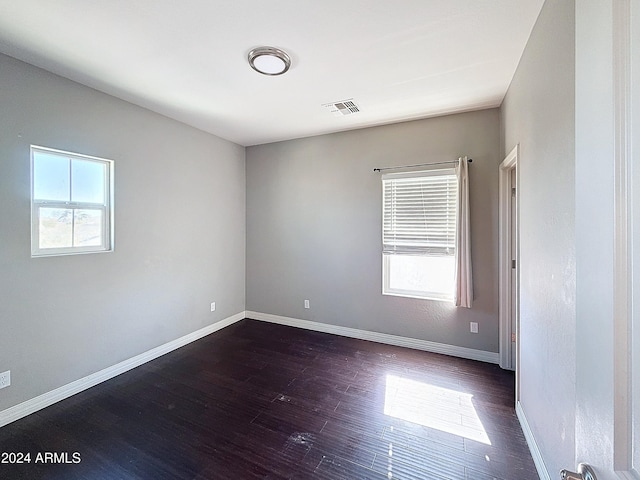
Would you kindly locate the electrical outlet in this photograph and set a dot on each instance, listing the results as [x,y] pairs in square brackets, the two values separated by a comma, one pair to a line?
[306,304]
[5,379]
[473,327]
[213,306]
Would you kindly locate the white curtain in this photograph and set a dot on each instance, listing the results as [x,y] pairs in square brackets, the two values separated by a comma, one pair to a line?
[464,282]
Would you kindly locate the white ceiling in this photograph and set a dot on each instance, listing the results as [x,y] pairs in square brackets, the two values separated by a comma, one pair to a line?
[186,59]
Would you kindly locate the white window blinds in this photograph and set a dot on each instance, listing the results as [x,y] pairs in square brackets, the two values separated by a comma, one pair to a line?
[419,213]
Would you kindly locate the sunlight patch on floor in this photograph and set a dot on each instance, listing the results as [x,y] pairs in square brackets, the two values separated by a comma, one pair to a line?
[435,407]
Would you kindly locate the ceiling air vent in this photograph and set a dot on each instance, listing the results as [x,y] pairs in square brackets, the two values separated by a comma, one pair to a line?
[342,108]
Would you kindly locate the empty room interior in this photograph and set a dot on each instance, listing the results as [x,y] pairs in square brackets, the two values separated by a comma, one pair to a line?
[344,240]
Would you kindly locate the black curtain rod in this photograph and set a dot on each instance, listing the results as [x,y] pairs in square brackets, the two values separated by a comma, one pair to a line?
[419,165]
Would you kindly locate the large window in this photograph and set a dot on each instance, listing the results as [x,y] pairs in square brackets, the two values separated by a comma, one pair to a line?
[419,234]
[71,203]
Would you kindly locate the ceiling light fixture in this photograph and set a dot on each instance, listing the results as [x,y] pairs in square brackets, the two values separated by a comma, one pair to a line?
[269,60]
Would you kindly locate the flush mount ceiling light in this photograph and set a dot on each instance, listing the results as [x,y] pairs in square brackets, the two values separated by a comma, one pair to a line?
[269,60]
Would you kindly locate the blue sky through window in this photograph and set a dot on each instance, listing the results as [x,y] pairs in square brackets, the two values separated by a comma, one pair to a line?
[50,177]
[54,181]
[88,181]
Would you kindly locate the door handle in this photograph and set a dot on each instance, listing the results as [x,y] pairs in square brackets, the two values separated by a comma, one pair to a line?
[585,472]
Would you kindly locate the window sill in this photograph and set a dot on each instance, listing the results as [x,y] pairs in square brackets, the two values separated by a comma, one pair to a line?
[419,297]
[68,252]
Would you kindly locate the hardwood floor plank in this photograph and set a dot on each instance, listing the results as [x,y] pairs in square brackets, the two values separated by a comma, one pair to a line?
[263,401]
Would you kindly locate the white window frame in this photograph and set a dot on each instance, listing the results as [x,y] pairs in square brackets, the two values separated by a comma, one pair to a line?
[107,240]
[386,256]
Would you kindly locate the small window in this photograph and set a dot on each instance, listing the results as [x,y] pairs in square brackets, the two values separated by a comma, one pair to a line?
[419,234]
[71,203]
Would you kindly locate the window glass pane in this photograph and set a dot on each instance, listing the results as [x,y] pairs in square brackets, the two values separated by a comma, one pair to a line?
[88,181]
[55,227]
[50,177]
[87,230]
[422,274]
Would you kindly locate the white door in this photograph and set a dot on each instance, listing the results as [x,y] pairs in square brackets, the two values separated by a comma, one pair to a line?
[608,237]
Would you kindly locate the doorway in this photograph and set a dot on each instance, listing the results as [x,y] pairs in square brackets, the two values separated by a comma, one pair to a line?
[509,316]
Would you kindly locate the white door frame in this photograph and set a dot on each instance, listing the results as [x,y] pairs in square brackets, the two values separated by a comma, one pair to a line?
[505,236]
[625,317]
[607,237]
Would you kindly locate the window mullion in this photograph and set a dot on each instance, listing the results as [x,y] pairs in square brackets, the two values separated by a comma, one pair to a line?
[70,180]
[73,227]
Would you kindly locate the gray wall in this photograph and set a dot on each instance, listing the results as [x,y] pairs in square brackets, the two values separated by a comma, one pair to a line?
[538,113]
[179,234]
[314,228]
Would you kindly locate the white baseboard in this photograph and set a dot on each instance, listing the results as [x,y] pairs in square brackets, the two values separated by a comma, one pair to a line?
[462,352]
[41,401]
[543,473]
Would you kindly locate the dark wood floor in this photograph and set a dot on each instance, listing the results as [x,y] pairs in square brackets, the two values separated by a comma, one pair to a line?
[263,401]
